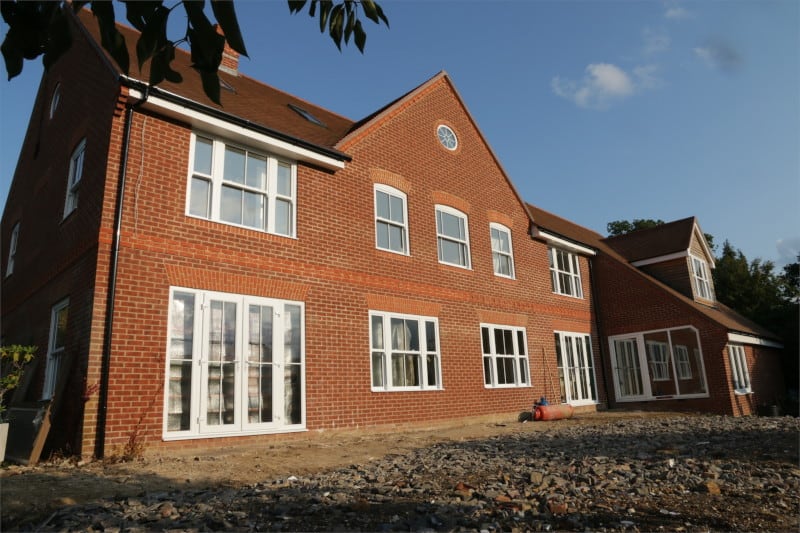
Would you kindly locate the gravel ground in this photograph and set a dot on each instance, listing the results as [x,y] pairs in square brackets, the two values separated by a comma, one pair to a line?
[681,473]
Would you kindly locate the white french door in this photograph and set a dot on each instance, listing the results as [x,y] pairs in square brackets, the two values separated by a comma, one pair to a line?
[576,368]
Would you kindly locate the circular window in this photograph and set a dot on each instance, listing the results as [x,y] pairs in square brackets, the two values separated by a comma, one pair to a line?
[447,137]
[55,101]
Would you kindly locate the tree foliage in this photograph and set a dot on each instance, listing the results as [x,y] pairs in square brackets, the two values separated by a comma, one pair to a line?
[40,28]
[621,227]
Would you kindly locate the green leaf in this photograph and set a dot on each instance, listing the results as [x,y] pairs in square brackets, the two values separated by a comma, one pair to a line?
[381,15]
[226,16]
[110,38]
[12,52]
[138,13]
[59,40]
[336,23]
[325,7]
[211,85]
[160,66]
[295,6]
[370,10]
[351,24]
[312,10]
[360,36]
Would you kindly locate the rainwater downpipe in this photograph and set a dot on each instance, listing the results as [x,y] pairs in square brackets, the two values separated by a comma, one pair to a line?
[600,336]
[105,367]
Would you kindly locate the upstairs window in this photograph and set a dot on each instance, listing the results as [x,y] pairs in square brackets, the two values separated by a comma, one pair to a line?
[502,256]
[741,376]
[12,250]
[75,175]
[241,187]
[452,234]
[391,214]
[702,279]
[565,273]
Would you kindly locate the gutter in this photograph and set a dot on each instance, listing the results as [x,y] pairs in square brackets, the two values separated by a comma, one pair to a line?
[105,365]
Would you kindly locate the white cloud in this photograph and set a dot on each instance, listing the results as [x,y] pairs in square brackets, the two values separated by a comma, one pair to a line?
[655,41]
[676,12]
[604,84]
[788,251]
[720,55]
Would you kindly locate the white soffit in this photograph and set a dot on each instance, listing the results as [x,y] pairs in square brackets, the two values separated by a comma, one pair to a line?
[758,341]
[235,132]
[660,258]
[563,243]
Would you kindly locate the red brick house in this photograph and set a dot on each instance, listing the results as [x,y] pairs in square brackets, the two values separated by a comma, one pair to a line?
[667,342]
[198,276]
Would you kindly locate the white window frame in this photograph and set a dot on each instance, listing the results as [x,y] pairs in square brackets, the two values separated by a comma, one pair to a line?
[658,359]
[702,278]
[518,357]
[76,168]
[577,378]
[390,222]
[462,242]
[683,366]
[199,344]
[55,100]
[639,350]
[566,282]
[498,253]
[739,372]
[12,249]
[215,181]
[383,352]
[56,347]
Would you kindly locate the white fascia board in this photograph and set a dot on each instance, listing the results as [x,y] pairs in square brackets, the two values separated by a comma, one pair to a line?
[235,132]
[758,341]
[563,243]
[661,258]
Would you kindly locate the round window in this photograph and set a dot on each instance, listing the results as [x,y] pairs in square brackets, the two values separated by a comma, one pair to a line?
[447,137]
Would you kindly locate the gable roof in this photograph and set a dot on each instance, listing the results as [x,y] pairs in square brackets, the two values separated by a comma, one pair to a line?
[657,241]
[243,97]
[678,234]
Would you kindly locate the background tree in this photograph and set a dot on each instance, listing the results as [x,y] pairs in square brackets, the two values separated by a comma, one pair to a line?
[40,28]
[621,227]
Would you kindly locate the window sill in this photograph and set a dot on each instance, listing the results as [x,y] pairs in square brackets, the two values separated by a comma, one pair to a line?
[740,392]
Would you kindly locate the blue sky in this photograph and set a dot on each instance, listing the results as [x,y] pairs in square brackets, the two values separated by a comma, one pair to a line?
[598,111]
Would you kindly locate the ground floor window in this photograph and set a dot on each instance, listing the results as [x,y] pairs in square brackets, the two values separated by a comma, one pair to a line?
[657,364]
[575,367]
[505,356]
[235,364]
[56,347]
[405,352]
[741,376]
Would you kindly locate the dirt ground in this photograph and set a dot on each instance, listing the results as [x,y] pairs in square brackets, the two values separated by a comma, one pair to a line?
[37,491]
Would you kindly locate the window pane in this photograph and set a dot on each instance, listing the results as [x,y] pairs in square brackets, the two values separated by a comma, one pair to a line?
[293,394]
[230,209]
[396,210]
[256,172]
[182,334]
[234,165]
[284,179]
[450,252]
[487,347]
[292,334]
[179,396]
[199,197]
[382,204]
[382,233]
[520,343]
[396,238]
[202,156]
[432,369]
[487,370]
[253,215]
[377,332]
[451,225]
[430,336]
[283,217]
[61,329]
[378,371]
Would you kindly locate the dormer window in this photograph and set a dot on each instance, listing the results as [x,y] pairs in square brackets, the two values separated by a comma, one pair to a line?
[702,279]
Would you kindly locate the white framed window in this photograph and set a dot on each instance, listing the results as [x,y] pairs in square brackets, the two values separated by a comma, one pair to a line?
[75,174]
[452,233]
[575,367]
[391,216]
[235,365]
[242,187]
[56,347]
[565,272]
[658,364]
[658,359]
[12,249]
[682,363]
[702,279]
[741,376]
[505,356]
[405,352]
[502,254]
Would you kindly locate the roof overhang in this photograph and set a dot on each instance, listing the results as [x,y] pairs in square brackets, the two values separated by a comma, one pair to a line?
[750,339]
[562,242]
[234,128]
[660,258]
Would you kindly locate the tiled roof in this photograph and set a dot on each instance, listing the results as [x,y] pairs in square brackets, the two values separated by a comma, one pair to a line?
[720,313]
[654,242]
[249,99]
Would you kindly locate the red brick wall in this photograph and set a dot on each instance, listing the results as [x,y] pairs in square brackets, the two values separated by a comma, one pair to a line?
[334,268]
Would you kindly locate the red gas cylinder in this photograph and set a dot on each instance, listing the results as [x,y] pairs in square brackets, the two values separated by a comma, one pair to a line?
[553,412]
